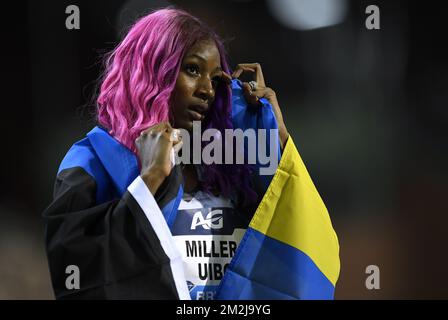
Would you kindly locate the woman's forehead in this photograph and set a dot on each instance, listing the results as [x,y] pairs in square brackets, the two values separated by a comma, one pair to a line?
[204,50]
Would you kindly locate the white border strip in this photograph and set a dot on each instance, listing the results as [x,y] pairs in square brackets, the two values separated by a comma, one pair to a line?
[148,204]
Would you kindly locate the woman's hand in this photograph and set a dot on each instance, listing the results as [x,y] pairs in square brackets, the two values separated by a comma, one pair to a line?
[261,91]
[154,150]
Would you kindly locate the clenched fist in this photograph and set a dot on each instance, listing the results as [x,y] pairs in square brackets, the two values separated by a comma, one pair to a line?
[154,150]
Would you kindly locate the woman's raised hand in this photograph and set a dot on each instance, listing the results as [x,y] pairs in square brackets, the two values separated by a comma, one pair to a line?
[154,150]
[254,93]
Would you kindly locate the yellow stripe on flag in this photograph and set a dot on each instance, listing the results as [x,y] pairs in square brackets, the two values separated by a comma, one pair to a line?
[293,212]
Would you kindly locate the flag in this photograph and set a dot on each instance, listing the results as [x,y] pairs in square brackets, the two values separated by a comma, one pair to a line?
[290,250]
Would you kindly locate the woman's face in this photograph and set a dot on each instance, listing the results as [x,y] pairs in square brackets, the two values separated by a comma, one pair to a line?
[198,78]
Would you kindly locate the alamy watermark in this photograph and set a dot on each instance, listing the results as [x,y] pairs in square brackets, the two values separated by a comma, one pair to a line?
[258,142]
[73,19]
[73,278]
[373,20]
[373,280]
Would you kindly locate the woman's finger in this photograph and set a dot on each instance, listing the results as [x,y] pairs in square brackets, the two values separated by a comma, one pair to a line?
[254,96]
[175,135]
[250,95]
[254,68]
[226,77]
[240,69]
[259,75]
[153,129]
[177,146]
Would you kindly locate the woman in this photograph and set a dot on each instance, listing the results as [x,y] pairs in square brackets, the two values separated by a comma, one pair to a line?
[134,225]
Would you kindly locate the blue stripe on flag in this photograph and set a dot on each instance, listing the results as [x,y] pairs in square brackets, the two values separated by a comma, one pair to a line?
[282,272]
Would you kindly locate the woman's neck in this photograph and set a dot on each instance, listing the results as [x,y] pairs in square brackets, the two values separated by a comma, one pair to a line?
[190,176]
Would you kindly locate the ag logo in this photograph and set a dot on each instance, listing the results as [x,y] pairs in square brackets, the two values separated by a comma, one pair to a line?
[213,220]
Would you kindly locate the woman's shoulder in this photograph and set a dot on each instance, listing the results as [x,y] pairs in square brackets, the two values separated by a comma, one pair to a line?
[82,154]
[104,158]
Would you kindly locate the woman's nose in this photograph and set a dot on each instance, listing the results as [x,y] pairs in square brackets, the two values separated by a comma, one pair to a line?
[205,90]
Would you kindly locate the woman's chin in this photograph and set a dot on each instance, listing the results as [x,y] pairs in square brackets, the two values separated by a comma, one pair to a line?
[187,125]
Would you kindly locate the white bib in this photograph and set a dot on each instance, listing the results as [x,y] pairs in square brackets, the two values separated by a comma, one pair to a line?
[207,231]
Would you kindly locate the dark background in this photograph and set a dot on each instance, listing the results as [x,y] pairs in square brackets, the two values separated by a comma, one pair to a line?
[366,108]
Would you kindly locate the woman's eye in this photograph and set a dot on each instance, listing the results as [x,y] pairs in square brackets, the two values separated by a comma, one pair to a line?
[192,69]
